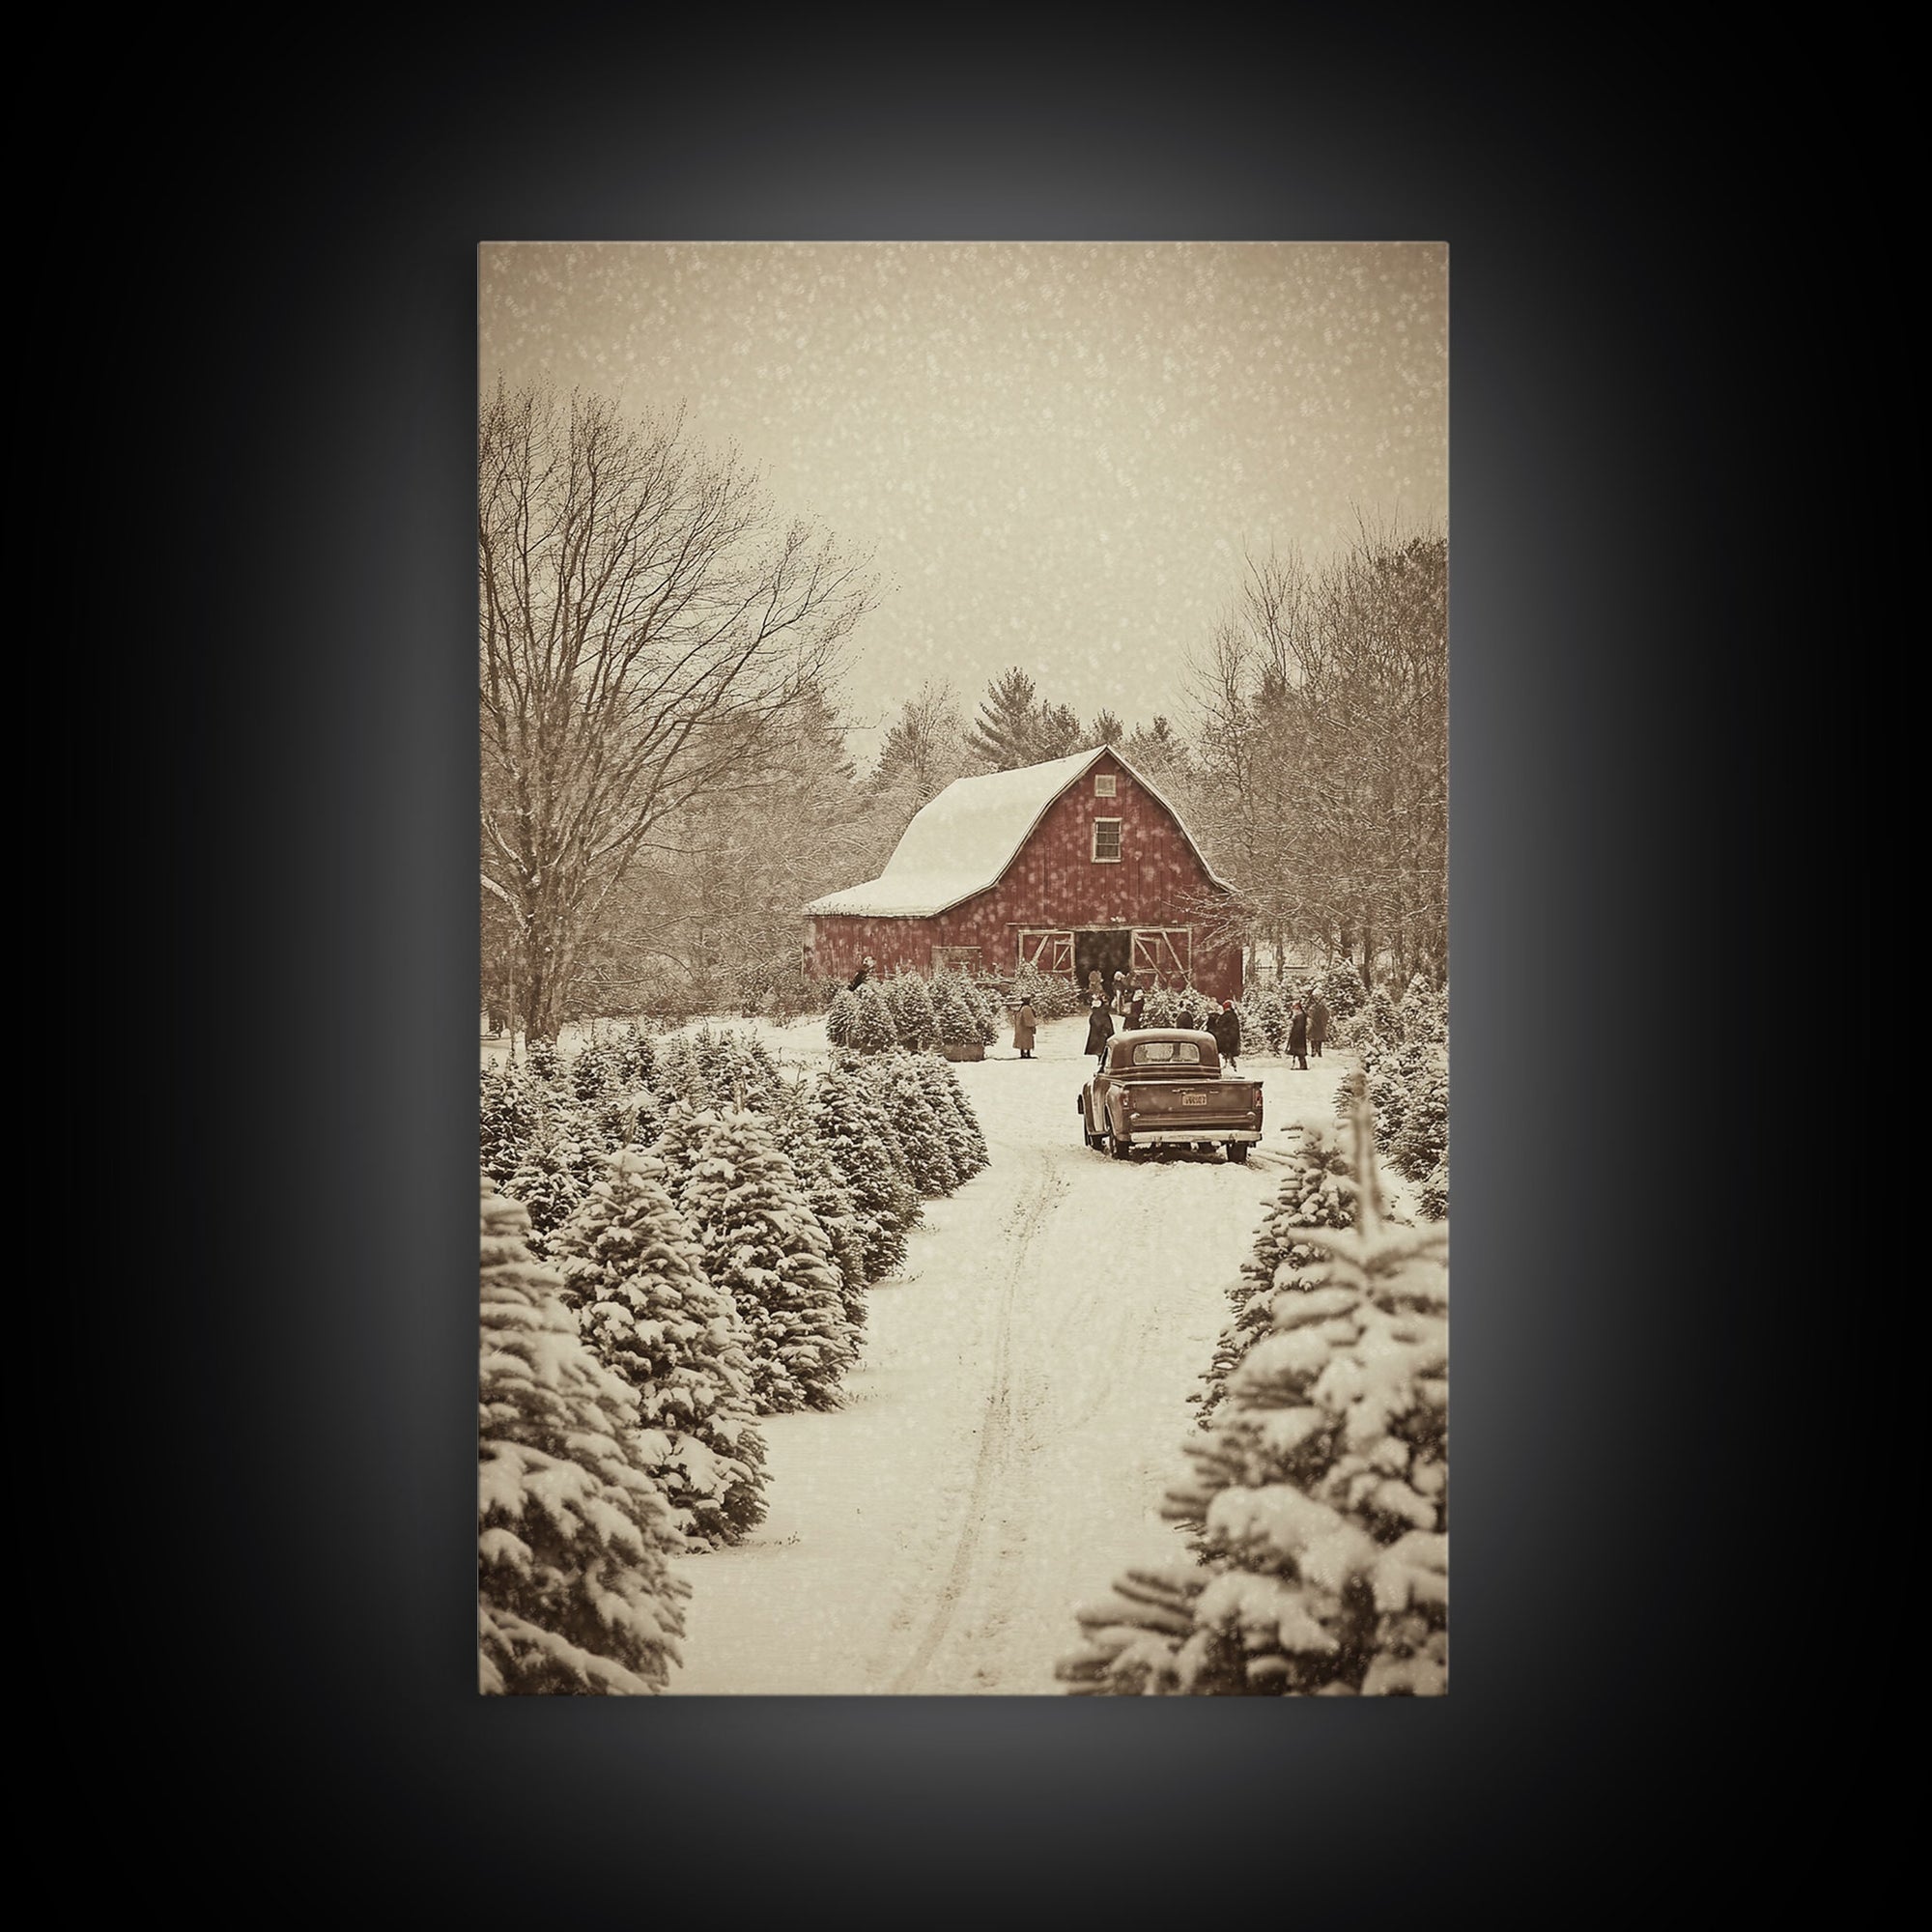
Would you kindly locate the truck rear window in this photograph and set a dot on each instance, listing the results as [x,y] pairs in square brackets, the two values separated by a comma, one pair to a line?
[1167,1053]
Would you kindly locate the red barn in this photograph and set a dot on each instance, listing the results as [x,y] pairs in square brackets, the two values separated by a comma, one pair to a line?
[1078,864]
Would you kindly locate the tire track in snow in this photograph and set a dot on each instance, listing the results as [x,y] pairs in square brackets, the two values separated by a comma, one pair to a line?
[995,1431]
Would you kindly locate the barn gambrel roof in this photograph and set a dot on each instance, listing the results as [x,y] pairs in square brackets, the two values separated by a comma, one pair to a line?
[963,840]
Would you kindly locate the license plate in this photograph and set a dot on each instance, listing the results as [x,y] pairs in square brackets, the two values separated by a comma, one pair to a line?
[1194,1100]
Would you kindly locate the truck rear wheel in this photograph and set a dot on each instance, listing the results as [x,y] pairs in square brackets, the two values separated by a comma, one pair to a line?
[1238,1151]
[1117,1148]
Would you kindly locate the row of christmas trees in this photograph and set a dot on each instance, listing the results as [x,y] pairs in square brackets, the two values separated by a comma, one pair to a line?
[906,1010]
[1403,1051]
[1316,1504]
[676,1240]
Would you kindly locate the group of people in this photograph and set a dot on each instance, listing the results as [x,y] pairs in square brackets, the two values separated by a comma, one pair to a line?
[1308,1027]
[1308,1022]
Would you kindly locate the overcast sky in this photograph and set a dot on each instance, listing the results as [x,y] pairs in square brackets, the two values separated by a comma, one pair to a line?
[1054,451]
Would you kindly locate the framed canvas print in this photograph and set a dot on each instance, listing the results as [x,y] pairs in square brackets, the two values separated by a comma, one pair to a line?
[963,993]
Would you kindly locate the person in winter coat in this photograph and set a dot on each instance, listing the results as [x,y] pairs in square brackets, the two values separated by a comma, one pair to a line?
[1297,1034]
[1099,1029]
[1136,1012]
[859,978]
[1120,992]
[1024,1022]
[1226,1027]
[1318,1017]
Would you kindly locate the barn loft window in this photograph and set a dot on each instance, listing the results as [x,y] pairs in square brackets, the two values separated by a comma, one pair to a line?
[1103,785]
[1107,841]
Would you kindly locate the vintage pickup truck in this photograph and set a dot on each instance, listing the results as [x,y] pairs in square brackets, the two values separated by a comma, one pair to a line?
[1163,1086]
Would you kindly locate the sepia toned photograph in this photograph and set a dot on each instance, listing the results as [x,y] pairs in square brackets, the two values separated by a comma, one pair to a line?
[964,968]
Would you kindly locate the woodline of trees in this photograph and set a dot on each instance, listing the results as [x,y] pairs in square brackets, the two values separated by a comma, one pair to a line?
[1321,778]
[664,773]
[650,633]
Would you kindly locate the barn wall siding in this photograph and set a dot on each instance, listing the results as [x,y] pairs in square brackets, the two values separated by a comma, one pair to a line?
[1055,883]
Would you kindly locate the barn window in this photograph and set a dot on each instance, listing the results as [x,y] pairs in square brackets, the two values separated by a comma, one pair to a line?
[1103,785]
[1107,841]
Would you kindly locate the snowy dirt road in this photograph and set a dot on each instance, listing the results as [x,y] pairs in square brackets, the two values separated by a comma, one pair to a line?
[1015,1415]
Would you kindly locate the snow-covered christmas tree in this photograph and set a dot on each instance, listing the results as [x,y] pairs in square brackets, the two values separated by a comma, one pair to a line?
[633,1273]
[1424,1012]
[988,1013]
[560,1160]
[1265,1021]
[1433,1196]
[593,1071]
[915,1024]
[577,1593]
[1317,1191]
[1342,989]
[763,1244]
[1162,1008]
[894,1077]
[874,1027]
[956,1019]
[1323,1496]
[511,1110]
[853,1129]
[966,1143]
[796,1127]
[631,1054]
[1423,1138]
[842,1016]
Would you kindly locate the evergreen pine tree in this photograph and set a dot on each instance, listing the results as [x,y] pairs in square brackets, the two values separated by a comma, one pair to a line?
[954,1015]
[511,1111]
[559,1163]
[1432,1197]
[577,1593]
[544,1063]
[895,1079]
[592,1072]
[875,1030]
[632,1272]
[883,1203]
[1400,1072]
[869,1100]
[914,1023]
[1161,1008]
[1005,732]
[1423,1138]
[677,1074]
[762,1243]
[630,1056]
[796,1127]
[1269,1018]
[1343,990]
[1424,1012]
[1317,1191]
[1321,1495]
[988,1013]
[1375,1030]
[842,1016]
[626,1117]
[954,1111]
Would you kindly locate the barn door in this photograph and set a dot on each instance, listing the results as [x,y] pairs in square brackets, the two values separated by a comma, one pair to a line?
[1163,952]
[1050,951]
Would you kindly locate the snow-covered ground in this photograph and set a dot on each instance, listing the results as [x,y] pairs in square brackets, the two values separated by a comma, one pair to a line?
[1017,1412]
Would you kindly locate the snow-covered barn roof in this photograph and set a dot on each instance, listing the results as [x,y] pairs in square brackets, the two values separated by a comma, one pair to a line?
[961,841]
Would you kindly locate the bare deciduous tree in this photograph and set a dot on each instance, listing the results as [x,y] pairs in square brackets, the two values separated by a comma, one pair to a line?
[1321,710]
[647,624]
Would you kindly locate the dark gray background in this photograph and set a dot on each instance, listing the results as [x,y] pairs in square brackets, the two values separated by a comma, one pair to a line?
[294,1674]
